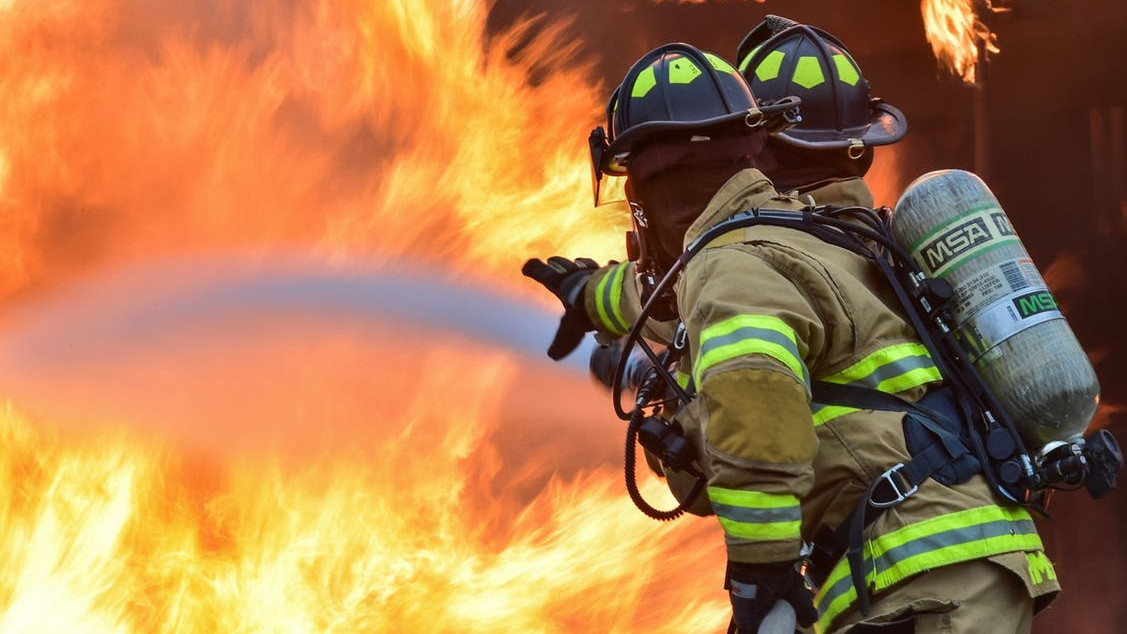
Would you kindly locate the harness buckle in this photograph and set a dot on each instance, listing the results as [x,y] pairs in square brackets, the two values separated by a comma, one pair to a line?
[898,489]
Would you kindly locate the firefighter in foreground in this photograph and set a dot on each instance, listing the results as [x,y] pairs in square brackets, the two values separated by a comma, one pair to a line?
[823,157]
[767,310]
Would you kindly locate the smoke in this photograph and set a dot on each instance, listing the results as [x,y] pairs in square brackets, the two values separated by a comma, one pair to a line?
[297,353]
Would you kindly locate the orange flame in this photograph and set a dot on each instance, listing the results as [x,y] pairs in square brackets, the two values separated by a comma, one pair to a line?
[956,34]
[307,476]
[324,477]
[127,130]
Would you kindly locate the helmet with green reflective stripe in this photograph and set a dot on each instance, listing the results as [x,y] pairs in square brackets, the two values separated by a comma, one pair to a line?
[678,90]
[781,58]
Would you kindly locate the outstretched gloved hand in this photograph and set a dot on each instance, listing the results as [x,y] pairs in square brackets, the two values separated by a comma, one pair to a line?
[754,589]
[566,280]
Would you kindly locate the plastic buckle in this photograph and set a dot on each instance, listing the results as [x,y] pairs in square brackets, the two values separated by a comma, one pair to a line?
[897,489]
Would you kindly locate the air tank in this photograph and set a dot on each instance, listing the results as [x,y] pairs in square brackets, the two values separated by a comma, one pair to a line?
[1004,314]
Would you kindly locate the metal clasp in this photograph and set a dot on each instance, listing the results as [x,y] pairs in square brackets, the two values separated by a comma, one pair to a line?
[680,337]
[897,489]
[754,117]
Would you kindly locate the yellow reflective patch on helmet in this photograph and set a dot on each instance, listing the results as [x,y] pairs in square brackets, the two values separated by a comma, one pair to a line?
[682,71]
[645,82]
[768,69]
[719,63]
[747,58]
[846,71]
[808,72]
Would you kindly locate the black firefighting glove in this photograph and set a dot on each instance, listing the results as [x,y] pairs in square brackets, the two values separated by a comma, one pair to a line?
[566,279]
[754,589]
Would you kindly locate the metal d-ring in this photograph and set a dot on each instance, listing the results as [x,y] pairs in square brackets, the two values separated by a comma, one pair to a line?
[754,117]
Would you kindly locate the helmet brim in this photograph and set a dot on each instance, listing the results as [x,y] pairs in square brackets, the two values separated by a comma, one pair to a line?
[886,126]
[773,116]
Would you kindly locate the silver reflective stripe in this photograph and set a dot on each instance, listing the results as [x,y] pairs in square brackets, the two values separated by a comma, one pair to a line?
[760,515]
[752,332]
[939,541]
[953,537]
[894,369]
[891,370]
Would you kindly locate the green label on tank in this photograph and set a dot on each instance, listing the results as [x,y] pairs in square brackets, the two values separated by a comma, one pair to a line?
[956,241]
[992,324]
[1032,304]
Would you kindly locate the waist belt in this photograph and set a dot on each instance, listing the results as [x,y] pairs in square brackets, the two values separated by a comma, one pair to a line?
[945,456]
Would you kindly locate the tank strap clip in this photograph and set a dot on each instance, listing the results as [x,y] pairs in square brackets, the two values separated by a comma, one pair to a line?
[897,487]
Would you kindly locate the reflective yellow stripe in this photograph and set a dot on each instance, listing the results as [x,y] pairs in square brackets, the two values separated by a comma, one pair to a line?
[751,499]
[822,414]
[941,541]
[683,379]
[755,515]
[876,362]
[608,300]
[891,369]
[749,334]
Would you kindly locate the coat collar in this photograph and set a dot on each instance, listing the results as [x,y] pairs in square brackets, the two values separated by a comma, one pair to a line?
[746,189]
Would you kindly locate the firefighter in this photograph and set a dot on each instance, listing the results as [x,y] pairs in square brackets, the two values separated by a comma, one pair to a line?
[767,310]
[824,156]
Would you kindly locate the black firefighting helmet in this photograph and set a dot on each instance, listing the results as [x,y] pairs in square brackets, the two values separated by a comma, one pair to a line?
[781,58]
[674,91]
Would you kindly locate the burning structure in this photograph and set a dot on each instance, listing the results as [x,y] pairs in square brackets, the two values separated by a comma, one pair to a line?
[200,442]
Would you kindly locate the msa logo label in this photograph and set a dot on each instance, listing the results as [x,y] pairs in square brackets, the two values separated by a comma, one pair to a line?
[956,241]
[1035,303]
[953,243]
[1001,224]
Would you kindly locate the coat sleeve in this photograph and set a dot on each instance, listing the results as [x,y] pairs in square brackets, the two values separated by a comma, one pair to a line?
[614,302]
[752,333]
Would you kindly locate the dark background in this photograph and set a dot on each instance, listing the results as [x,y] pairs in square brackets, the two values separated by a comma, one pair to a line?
[1046,127]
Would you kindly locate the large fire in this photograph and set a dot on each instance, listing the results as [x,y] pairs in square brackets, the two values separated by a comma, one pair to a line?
[169,469]
[131,129]
[323,480]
